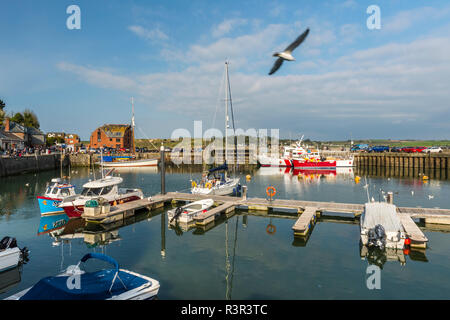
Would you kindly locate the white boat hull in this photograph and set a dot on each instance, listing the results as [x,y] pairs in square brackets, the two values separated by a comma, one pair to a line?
[189,216]
[266,161]
[9,258]
[384,214]
[344,163]
[144,292]
[132,163]
[221,190]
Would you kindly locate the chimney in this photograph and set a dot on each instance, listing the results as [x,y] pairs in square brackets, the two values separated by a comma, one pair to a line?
[7,125]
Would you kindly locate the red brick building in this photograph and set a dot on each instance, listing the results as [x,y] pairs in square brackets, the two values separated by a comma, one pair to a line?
[73,141]
[112,136]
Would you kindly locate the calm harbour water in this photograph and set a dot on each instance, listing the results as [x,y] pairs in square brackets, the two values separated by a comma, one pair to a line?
[236,258]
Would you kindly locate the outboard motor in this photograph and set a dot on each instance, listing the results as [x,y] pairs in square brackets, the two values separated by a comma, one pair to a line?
[377,237]
[178,211]
[9,243]
[24,252]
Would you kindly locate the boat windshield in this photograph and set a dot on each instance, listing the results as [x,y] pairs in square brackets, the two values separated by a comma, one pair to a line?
[65,192]
[49,190]
[106,190]
[91,191]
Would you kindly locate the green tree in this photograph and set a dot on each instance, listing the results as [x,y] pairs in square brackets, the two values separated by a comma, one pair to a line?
[2,112]
[30,119]
[17,118]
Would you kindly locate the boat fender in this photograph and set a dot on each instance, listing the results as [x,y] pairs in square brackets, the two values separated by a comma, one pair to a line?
[194,184]
[208,185]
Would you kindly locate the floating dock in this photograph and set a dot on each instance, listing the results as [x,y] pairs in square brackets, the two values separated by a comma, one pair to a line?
[307,211]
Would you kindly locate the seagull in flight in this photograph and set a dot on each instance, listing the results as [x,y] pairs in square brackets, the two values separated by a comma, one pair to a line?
[287,53]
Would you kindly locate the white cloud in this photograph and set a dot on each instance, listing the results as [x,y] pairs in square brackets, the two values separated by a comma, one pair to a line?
[408,18]
[349,4]
[153,34]
[226,26]
[395,82]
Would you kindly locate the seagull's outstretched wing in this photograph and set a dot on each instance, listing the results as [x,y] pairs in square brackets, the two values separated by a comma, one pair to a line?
[276,66]
[297,41]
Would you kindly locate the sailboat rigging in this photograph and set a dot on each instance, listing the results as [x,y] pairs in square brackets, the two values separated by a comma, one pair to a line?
[120,161]
[216,181]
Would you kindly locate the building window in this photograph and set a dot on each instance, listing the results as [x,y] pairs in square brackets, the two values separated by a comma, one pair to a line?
[99,136]
[110,139]
[117,139]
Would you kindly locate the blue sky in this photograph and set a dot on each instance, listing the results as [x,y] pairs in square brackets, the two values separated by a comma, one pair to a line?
[347,81]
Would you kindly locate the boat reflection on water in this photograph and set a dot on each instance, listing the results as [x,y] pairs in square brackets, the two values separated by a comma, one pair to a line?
[52,223]
[307,176]
[10,278]
[64,230]
[136,170]
[378,257]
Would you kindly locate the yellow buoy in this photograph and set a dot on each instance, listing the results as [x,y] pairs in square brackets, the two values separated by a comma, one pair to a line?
[357,178]
[425,177]
[248,177]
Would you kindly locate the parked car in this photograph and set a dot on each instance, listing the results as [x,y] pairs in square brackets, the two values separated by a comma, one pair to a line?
[360,147]
[413,149]
[379,149]
[432,150]
[396,149]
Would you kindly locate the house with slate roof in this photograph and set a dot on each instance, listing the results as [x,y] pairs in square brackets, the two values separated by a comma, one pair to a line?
[112,136]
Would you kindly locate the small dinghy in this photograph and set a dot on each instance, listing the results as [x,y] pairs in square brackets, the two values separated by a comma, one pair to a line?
[186,214]
[381,227]
[10,254]
[76,284]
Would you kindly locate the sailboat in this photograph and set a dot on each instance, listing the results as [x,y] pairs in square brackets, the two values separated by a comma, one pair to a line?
[121,161]
[216,181]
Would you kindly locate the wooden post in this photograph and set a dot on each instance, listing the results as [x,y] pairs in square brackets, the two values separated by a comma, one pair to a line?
[163,171]
[390,197]
[244,192]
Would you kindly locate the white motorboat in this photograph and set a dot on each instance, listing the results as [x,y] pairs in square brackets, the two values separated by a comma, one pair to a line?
[54,194]
[10,254]
[76,284]
[381,227]
[107,188]
[186,213]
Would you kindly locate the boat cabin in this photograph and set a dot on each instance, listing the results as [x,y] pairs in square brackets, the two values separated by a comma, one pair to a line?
[101,187]
[59,190]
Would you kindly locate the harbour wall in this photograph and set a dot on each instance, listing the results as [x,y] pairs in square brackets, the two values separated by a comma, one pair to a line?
[12,166]
[438,161]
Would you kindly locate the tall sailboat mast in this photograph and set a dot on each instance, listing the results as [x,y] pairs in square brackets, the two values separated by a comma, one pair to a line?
[132,126]
[226,111]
